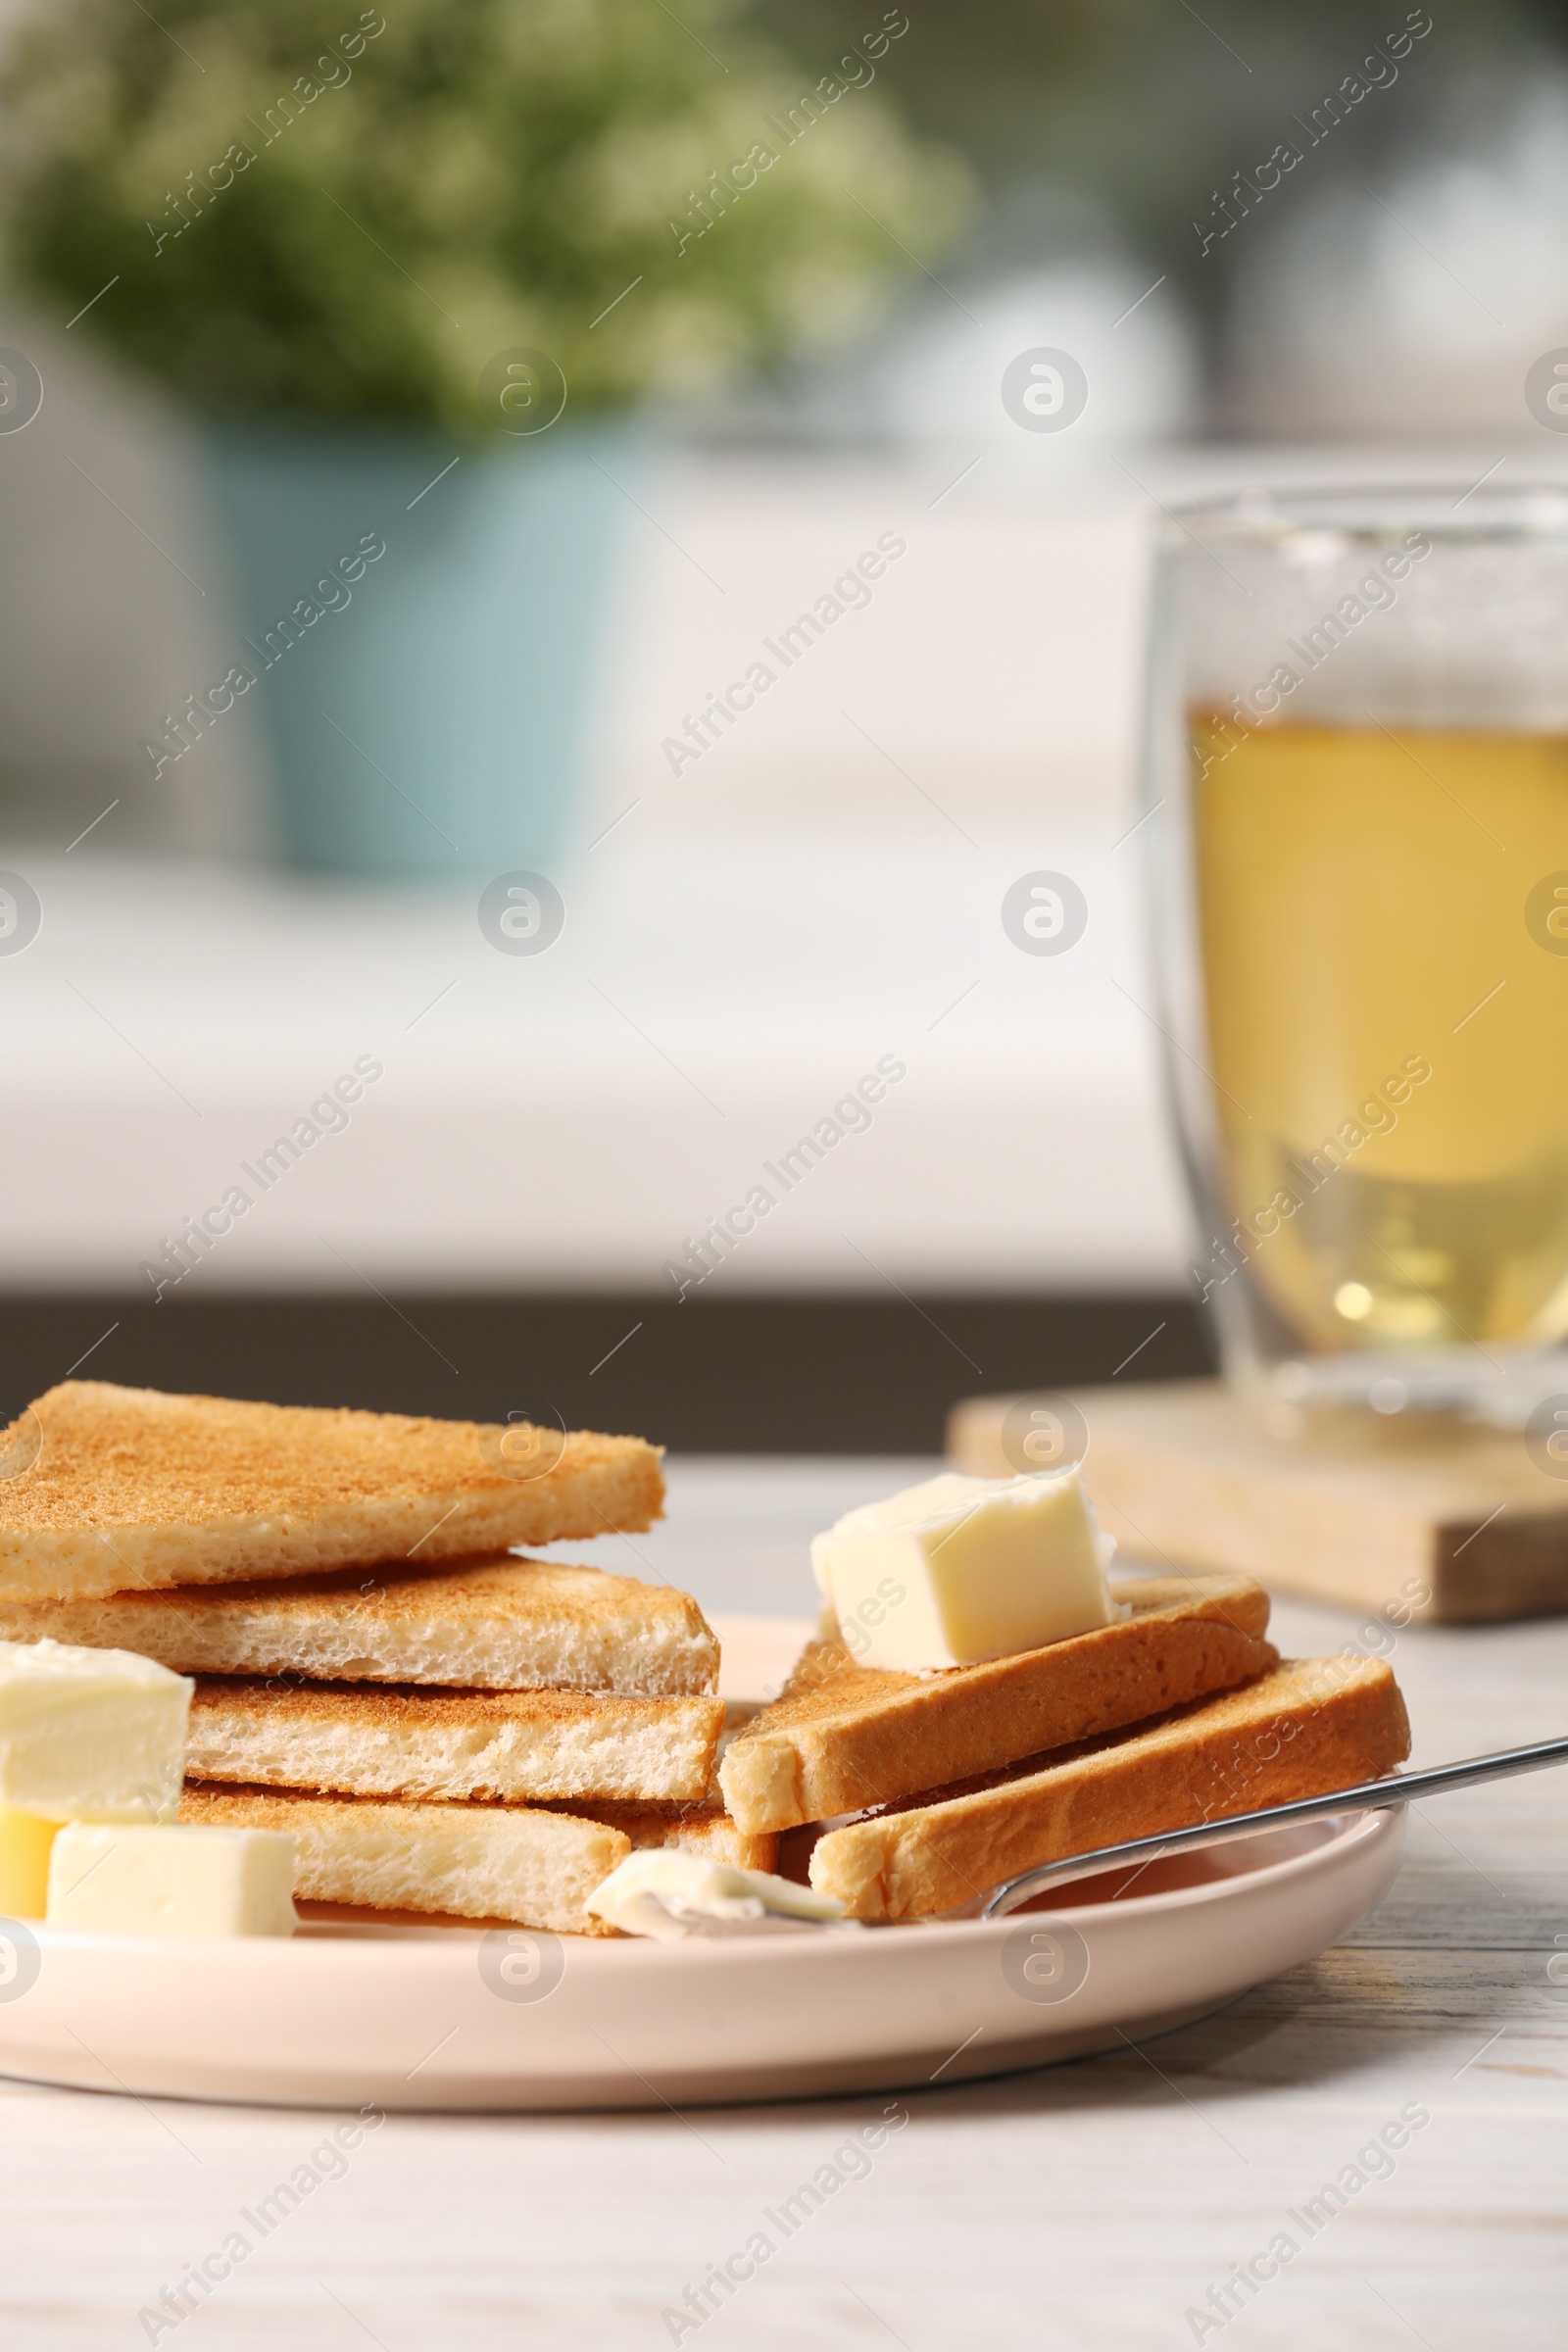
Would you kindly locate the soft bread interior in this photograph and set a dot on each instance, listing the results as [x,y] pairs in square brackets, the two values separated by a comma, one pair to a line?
[495,1624]
[468,1861]
[513,1745]
[705,1829]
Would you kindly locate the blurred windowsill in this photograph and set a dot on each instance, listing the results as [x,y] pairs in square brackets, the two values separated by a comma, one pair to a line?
[565,1121]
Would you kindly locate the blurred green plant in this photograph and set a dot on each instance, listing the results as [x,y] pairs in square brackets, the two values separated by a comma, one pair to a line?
[312,209]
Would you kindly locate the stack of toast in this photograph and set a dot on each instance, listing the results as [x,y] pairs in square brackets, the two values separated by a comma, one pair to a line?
[449,1729]
[445,1728]
[907,1795]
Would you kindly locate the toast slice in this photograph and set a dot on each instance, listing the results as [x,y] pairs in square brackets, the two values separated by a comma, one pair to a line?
[516,1746]
[1305,1728]
[844,1736]
[705,1829]
[468,1861]
[499,1624]
[129,1489]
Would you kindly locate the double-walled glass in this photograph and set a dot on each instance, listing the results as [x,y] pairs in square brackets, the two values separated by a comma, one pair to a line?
[1357,772]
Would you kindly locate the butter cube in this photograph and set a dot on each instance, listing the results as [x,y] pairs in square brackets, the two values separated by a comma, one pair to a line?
[24,1842]
[962,1569]
[182,1880]
[90,1735]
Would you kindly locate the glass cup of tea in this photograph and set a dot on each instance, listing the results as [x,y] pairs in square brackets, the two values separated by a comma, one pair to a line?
[1356,786]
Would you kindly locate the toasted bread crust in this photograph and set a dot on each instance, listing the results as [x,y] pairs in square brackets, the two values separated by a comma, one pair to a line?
[369,1739]
[1305,1728]
[495,1624]
[133,1490]
[844,1736]
[462,1861]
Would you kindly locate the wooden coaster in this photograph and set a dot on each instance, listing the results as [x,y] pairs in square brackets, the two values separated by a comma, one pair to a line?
[1424,1518]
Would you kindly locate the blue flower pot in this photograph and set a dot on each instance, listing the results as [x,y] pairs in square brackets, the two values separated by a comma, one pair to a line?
[421,636]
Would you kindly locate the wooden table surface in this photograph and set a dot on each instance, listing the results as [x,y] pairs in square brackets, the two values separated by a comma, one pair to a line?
[1084,2207]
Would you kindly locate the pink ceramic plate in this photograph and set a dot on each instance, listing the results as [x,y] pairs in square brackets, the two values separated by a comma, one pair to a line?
[353,2011]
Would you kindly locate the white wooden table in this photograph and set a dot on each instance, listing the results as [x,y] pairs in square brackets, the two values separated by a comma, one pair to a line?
[1081,2207]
